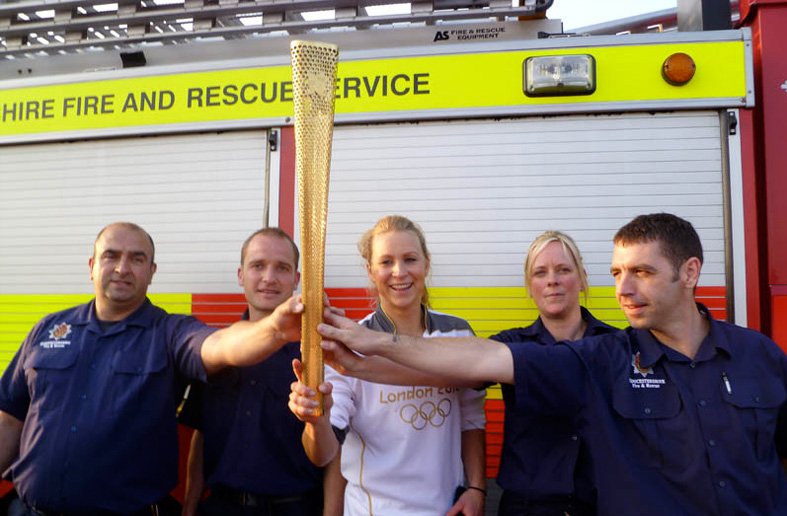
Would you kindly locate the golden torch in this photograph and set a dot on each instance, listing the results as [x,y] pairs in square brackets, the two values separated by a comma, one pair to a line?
[313,80]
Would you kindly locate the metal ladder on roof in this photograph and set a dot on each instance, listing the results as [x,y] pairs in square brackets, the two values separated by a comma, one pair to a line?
[50,27]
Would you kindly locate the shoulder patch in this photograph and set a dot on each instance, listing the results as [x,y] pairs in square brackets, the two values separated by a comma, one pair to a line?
[58,334]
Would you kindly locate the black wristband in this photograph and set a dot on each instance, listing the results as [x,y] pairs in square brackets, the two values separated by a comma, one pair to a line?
[477,489]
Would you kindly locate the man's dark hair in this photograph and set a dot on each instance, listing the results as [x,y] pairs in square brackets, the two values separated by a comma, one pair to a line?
[274,232]
[134,227]
[679,241]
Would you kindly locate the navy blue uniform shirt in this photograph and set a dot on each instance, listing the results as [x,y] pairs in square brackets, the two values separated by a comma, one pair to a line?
[252,442]
[540,451]
[99,408]
[667,434]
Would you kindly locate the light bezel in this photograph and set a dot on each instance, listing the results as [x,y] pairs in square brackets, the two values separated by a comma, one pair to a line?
[559,89]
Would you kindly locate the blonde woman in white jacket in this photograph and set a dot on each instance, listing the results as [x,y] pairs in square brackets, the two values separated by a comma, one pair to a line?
[412,445]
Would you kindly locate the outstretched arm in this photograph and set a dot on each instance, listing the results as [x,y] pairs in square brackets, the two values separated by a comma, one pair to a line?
[247,343]
[319,441]
[383,370]
[459,359]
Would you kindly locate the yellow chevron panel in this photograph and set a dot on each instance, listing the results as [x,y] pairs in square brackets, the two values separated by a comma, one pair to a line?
[475,303]
[10,337]
[29,309]
[488,315]
[173,303]
[20,326]
[11,319]
[504,292]
[20,312]
[40,304]
[490,310]
[37,299]
[498,292]
[494,392]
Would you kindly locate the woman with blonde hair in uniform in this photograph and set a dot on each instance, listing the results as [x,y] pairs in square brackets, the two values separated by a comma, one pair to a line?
[409,441]
[544,469]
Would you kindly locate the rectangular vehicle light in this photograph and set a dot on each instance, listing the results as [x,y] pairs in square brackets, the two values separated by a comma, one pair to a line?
[560,75]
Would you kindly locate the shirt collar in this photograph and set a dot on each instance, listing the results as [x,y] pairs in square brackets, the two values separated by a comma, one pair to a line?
[386,324]
[389,326]
[538,331]
[595,327]
[715,340]
[142,316]
[84,314]
[651,349]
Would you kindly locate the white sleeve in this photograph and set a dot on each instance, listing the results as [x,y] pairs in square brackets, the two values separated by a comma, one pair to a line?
[471,401]
[343,398]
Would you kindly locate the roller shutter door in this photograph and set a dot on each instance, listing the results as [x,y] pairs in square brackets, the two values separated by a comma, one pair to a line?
[482,190]
[198,195]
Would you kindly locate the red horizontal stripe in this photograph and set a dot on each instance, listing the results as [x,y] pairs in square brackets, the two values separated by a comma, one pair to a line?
[234,308]
[347,292]
[352,303]
[217,298]
[711,291]
[218,319]
[713,302]
[495,412]
[494,415]
[494,437]
[492,460]
[494,426]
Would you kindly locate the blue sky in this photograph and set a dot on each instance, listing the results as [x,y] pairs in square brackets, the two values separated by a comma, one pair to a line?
[580,13]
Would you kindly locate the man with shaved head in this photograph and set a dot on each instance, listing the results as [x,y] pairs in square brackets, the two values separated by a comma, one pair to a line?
[87,405]
[241,422]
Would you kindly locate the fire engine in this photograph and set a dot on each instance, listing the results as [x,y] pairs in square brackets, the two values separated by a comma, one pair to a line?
[486,132]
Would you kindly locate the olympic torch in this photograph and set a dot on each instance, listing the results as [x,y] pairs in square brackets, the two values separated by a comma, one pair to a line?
[313,80]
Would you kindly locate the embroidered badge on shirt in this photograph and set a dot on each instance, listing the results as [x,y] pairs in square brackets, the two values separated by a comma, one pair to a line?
[57,333]
[636,362]
[60,331]
[644,382]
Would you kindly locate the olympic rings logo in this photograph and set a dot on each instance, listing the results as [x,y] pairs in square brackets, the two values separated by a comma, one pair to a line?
[427,413]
